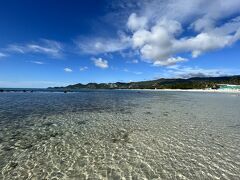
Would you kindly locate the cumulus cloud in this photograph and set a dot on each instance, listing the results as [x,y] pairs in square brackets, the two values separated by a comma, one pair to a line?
[101,63]
[161,43]
[135,22]
[157,44]
[161,31]
[68,70]
[49,47]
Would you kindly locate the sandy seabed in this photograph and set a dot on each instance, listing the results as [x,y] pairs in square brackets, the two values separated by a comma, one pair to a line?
[120,135]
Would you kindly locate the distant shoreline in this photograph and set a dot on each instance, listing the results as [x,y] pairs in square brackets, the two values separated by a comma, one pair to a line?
[189,90]
[22,90]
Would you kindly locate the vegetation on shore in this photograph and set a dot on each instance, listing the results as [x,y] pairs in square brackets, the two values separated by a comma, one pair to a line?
[191,83]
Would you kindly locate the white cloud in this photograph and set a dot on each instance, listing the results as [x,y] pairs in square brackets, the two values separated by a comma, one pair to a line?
[83,68]
[161,31]
[134,61]
[37,62]
[2,55]
[101,63]
[189,11]
[102,45]
[68,70]
[214,11]
[49,47]
[164,40]
[17,48]
[188,72]
[170,61]
[135,22]
[156,44]
[203,42]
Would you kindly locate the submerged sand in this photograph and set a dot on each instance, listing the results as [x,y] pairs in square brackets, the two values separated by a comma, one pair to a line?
[120,135]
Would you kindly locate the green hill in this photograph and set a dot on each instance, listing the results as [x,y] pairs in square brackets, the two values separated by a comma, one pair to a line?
[191,83]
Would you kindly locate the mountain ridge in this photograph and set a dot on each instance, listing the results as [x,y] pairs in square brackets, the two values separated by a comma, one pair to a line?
[163,83]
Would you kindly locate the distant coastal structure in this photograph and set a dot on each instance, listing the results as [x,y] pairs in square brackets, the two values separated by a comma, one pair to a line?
[229,87]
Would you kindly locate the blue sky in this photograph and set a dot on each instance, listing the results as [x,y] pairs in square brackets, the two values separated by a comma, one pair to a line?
[55,43]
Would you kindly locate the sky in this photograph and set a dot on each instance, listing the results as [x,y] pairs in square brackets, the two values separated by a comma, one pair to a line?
[62,42]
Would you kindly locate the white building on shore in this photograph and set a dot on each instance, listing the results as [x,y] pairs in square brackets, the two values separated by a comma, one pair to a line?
[229,87]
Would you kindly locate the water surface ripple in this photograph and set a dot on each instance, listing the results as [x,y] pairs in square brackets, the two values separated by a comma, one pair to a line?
[119,135]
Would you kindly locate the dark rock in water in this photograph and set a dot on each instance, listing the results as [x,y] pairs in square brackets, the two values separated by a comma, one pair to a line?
[147,112]
[16,135]
[65,91]
[1,140]
[13,164]
[57,175]
[220,145]
[235,126]
[26,146]
[74,110]
[114,140]
[165,113]
[154,140]
[121,110]
[87,143]
[124,111]
[81,122]
[128,112]
[48,124]
[41,137]
[125,136]
[62,161]
[121,136]
[1,90]
[7,148]
[54,134]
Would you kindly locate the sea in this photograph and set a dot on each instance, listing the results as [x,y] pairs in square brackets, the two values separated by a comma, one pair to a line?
[119,134]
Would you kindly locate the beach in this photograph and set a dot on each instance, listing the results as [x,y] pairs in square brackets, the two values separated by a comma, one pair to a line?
[192,90]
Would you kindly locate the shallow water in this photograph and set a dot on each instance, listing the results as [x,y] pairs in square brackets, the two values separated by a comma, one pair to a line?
[119,135]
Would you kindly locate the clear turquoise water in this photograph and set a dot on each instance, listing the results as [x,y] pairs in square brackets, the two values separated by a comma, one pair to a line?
[119,135]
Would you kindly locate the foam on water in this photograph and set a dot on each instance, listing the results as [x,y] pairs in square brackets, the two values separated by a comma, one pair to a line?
[119,135]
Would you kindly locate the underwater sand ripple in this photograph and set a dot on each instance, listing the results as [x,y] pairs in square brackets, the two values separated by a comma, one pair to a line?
[156,135]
